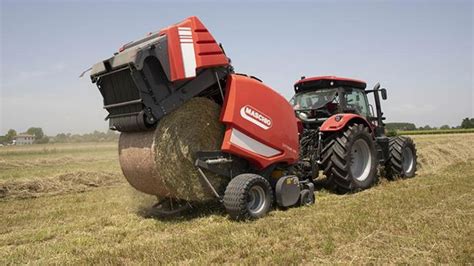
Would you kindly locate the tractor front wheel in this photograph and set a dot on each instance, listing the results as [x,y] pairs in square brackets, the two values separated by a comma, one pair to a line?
[350,160]
[248,196]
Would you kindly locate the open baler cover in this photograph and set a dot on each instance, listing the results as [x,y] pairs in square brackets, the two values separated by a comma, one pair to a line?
[153,76]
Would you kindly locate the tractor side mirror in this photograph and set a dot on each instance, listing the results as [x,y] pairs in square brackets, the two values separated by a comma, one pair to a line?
[384,94]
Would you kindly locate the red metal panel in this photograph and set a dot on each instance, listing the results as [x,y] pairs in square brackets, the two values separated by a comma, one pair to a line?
[339,121]
[207,52]
[174,53]
[262,115]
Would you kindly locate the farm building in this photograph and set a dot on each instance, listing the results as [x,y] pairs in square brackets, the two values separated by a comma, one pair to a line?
[24,139]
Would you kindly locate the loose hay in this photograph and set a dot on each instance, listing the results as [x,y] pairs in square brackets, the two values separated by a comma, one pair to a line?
[161,162]
[436,152]
[61,184]
[21,163]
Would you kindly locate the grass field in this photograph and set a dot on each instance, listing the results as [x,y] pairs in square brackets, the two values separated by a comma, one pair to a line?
[436,131]
[70,204]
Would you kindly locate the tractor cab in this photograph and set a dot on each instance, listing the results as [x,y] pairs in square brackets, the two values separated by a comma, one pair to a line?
[318,98]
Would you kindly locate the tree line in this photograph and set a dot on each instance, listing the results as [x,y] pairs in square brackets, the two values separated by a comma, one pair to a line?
[402,126]
[98,136]
[41,138]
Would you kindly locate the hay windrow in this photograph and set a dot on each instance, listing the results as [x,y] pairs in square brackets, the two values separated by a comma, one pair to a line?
[161,162]
[13,164]
[436,152]
[61,184]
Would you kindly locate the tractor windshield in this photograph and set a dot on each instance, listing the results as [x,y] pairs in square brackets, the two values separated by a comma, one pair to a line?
[314,99]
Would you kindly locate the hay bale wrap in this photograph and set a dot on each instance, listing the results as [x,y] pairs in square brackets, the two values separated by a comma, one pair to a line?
[161,162]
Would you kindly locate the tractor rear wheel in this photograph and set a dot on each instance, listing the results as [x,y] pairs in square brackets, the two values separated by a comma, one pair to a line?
[402,158]
[248,196]
[349,159]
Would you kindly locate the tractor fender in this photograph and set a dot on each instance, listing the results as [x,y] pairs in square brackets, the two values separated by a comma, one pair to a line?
[339,121]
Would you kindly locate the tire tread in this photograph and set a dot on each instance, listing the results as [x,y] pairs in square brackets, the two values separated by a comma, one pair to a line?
[336,156]
[394,167]
[235,196]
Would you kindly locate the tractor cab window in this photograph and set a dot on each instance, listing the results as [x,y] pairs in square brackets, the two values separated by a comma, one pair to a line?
[355,101]
[315,99]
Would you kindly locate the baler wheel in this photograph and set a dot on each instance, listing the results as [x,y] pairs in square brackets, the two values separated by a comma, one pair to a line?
[402,158]
[306,198]
[350,160]
[248,196]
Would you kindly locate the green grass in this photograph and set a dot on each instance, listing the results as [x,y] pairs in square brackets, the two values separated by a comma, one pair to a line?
[37,161]
[426,219]
[435,131]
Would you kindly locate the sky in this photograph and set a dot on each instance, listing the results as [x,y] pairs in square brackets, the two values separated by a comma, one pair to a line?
[421,51]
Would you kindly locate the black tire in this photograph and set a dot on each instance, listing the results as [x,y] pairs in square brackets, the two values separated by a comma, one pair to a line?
[346,172]
[306,198]
[402,158]
[248,196]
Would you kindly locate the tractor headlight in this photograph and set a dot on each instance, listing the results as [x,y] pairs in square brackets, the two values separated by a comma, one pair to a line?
[303,116]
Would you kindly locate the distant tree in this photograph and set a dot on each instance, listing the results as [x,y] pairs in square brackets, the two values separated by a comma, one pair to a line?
[391,133]
[400,126]
[36,131]
[444,127]
[40,137]
[112,135]
[61,137]
[43,140]
[467,123]
[95,136]
[10,135]
[427,127]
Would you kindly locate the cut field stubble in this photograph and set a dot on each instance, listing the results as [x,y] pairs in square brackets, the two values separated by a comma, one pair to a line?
[426,219]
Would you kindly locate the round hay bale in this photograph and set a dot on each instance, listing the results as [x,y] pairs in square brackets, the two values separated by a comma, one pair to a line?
[161,162]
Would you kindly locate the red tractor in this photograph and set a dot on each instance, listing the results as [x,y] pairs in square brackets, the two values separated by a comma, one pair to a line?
[268,154]
[341,135]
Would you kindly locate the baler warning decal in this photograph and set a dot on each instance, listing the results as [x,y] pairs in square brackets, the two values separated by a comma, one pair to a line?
[187,51]
[256,117]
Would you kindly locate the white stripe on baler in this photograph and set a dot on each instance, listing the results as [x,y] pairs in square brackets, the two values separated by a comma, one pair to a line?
[184,33]
[242,140]
[187,51]
[189,59]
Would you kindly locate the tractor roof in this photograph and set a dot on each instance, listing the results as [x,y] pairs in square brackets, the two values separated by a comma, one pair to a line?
[322,82]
